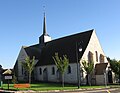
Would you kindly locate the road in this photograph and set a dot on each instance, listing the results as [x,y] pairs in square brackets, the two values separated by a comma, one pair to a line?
[113,90]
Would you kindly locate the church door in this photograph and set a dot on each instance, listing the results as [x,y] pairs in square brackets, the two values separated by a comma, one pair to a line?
[45,74]
[59,76]
[110,77]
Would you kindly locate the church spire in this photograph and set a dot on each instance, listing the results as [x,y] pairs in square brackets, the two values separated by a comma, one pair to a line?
[44,26]
[44,37]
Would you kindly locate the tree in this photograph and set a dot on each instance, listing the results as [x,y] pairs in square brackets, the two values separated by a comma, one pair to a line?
[88,67]
[115,67]
[62,64]
[29,66]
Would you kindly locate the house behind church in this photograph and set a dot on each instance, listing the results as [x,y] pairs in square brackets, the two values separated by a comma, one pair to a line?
[45,68]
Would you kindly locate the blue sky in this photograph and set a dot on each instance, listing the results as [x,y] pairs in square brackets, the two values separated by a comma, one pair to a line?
[21,23]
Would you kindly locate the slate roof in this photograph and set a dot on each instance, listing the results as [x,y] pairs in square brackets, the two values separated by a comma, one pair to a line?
[33,50]
[64,46]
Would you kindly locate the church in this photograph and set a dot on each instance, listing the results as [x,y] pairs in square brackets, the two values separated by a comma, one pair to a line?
[45,69]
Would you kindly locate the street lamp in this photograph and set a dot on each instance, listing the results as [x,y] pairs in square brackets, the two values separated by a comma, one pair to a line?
[78,50]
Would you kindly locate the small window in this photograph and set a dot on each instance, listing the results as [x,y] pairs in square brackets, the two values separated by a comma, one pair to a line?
[96,55]
[53,70]
[40,71]
[69,69]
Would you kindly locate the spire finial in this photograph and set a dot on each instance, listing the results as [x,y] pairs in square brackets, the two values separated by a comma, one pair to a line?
[44,9]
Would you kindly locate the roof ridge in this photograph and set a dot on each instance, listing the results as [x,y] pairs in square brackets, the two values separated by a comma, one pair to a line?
[71,35]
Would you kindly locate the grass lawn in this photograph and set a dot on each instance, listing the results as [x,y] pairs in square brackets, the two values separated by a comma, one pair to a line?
[41,87]
[49,86]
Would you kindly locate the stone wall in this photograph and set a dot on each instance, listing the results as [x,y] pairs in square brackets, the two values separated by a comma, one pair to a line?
[21,57]
[93,46]
[68,77]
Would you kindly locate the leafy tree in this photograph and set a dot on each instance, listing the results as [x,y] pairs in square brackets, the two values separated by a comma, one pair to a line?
[88,67]
[115,66]
[29,66]
[62,64]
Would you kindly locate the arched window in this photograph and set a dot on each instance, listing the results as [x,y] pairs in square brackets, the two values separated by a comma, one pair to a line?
[90,56]
[53,70]
[69,69]
[40,71]
[96,53]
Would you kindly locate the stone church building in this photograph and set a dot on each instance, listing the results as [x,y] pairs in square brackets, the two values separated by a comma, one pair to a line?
[45,68]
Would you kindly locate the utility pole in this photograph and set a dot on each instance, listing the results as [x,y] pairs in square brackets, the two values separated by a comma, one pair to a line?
[78,49]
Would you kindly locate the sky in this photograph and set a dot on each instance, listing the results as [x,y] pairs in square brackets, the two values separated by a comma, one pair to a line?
[21,23]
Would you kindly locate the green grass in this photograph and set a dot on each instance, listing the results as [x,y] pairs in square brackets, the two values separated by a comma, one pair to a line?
[41,87]
[50,86]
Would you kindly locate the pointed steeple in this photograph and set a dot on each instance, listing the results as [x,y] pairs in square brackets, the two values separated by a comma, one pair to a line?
[44,26]
[44,37]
